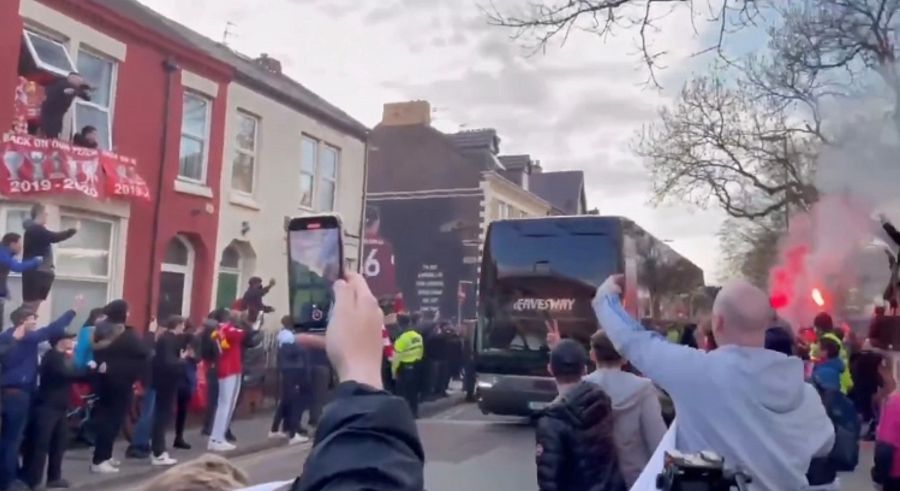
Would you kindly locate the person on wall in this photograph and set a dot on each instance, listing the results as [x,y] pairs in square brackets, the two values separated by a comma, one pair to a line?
[253,298]
[36,283]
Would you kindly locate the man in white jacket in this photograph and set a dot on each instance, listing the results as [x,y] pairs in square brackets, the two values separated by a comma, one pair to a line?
[748,404]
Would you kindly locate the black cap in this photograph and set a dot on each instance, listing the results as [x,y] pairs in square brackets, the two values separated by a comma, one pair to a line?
[568,358]
[116,311]
[66,335]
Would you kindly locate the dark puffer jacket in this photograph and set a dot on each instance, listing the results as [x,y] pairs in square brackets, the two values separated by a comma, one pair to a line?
[575,447]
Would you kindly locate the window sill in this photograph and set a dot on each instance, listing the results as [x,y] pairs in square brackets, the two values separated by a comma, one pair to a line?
[193,188]
[243,200]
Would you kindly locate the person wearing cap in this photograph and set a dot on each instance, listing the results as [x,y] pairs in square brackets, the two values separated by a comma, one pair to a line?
[574,435]
[47,430]
[18,380]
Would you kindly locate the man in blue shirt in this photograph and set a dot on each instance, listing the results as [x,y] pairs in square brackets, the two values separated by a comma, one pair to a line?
[18,380]
[10,247]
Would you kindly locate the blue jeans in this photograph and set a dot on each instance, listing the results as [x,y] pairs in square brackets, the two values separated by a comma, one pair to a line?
[141,436]
[16,404]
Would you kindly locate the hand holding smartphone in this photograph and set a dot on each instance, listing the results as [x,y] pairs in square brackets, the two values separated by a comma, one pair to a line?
[315,262]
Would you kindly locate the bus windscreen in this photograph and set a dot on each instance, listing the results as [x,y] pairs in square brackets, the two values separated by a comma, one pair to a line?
[539,271]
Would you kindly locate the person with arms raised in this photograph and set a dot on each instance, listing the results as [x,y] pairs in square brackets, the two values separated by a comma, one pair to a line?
[48,435]
[19,380]
[746,403]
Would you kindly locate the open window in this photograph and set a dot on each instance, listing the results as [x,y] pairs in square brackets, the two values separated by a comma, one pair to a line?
[99,72]
[42,53]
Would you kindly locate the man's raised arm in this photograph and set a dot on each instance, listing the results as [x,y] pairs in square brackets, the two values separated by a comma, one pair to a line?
[671,366]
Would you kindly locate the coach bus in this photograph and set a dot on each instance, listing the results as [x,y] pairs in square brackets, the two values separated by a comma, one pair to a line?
[537,270]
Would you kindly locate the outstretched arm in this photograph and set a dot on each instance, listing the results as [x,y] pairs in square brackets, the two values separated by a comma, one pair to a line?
[10,262]
[673,367]
[54,329]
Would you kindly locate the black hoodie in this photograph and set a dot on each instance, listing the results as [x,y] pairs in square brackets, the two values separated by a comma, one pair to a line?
[575,446]
[39,242]
[124,352]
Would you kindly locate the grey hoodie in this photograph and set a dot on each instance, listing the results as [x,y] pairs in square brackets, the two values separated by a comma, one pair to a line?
[639,424]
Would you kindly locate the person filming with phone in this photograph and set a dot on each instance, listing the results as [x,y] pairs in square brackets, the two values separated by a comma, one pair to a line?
[748,404]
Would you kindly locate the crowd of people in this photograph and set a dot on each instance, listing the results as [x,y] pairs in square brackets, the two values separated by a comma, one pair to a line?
[786,407]
[789,410]
[422,355]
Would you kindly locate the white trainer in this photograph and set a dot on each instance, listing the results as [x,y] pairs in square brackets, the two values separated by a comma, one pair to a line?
[298,439]
[162,460]
[215,446]
[274,435]
[104,468]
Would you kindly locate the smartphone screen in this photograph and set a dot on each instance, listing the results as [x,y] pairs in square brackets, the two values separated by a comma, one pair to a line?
[315,262]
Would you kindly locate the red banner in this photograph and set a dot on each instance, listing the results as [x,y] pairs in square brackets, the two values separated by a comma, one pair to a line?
[40,166]
[122,178]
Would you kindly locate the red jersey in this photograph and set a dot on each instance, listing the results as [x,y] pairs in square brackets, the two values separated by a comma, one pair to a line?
[230,339]
[378,265]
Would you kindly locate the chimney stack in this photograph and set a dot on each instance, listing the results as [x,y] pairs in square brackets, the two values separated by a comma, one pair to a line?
[407,113]
[268,64]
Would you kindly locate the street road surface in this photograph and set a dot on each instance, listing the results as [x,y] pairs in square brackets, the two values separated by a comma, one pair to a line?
[467,450]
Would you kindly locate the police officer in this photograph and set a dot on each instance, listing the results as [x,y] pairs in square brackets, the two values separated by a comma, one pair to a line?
[408,352]
[825,330]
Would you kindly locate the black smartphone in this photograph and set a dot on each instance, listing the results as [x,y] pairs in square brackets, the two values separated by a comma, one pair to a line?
[315,261]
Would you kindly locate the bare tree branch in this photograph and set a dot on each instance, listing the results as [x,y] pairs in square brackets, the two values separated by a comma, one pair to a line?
[539,23]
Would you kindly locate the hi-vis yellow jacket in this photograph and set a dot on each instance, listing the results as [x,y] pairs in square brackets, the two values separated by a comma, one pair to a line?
[815,352]
[408,348]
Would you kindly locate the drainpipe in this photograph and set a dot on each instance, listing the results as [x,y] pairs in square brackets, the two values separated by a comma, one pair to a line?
[362,216]
[169,67]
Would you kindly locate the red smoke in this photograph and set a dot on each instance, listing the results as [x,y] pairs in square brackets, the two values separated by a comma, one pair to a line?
[819,254]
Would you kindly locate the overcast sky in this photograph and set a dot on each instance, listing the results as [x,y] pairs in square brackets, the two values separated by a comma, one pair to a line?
[573,107]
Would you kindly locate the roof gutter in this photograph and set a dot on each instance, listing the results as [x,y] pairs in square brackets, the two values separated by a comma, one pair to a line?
[358,130]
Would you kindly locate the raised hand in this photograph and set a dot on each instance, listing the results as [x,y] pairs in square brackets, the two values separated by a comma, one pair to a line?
[353,339]
[78,304]
[553,336]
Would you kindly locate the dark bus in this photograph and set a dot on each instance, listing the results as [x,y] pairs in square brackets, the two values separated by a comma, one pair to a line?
[535,270]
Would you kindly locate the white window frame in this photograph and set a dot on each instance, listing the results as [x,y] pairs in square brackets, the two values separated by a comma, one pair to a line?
[333,179]
[108,279]
[113,85]
[254,153]
[317,175]
[204,167]
[28,32]
[315,170]
[186,270]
